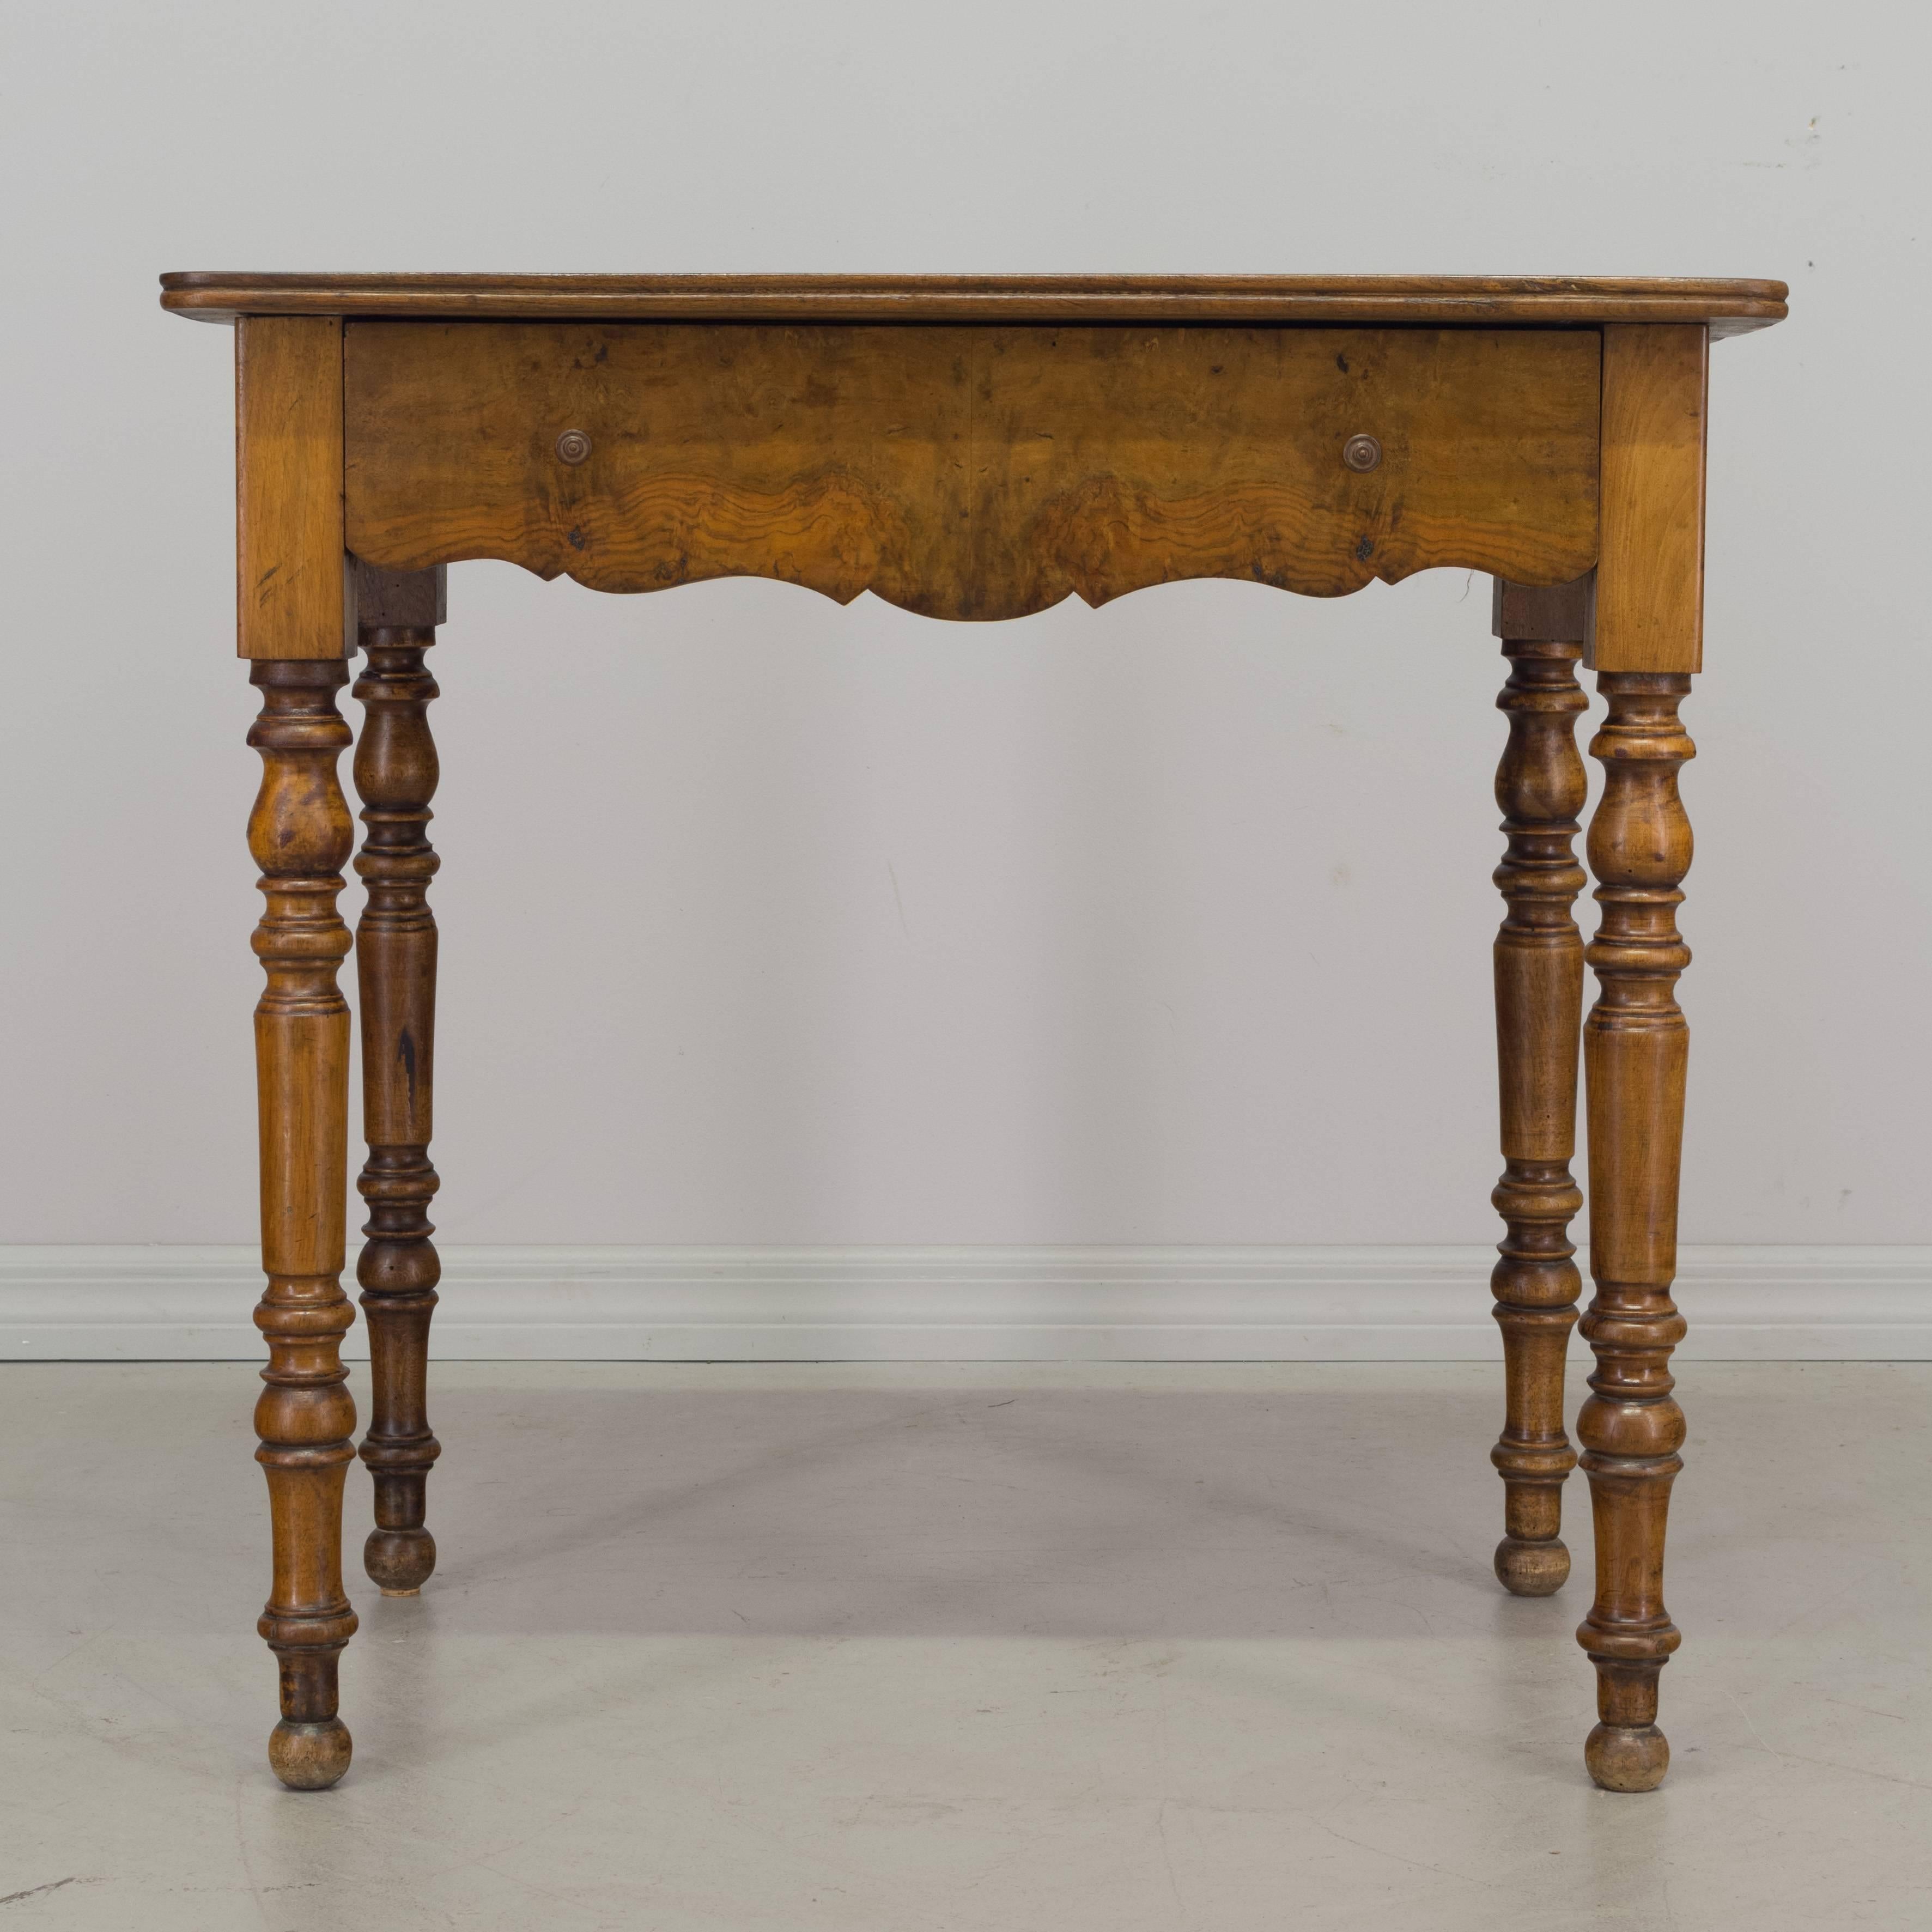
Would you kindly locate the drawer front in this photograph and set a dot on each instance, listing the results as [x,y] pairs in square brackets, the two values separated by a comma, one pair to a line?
[973,472]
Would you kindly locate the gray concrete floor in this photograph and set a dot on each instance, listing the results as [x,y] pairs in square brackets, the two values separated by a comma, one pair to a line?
[954,1647]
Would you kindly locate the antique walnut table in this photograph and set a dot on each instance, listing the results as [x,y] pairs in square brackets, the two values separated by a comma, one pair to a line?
[977,447]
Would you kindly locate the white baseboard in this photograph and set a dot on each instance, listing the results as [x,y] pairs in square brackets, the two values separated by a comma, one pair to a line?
[1409,1304]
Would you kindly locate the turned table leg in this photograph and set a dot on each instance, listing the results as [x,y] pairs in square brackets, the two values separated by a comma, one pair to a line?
[395,959]
[300,834]
[1539,987]
[1634,1050]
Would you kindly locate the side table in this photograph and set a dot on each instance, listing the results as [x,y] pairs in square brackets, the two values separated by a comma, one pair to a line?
[977,447]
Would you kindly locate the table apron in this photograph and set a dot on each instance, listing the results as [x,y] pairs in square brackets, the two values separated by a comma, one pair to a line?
[971,472]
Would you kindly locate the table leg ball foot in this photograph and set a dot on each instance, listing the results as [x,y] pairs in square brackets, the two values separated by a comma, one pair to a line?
[1531,1569]
[399,1560]
[1627,1757]
[309,1757]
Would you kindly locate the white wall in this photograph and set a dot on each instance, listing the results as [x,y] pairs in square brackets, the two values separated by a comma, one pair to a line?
[769,923]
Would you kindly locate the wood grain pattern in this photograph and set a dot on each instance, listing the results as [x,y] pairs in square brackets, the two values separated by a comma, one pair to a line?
[396,773]
[972,473]
[289,561]
[1647,608]
[1539,994]
[1729,306]
[299,835]
[1635,1046]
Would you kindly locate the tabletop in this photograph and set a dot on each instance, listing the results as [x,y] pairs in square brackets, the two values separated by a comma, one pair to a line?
[1727,307]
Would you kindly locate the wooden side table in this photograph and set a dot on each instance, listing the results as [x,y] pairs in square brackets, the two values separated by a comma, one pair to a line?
[977,447]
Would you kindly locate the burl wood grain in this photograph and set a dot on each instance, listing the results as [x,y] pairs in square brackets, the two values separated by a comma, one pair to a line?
[396,773]
[1539,992]
[299,835]
[289,565]
[973,473]
[1635,1046]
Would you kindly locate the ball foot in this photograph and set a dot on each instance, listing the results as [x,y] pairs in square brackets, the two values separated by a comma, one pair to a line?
[1531,1569]
[399,1560]
[310,1756]
[1627,1757]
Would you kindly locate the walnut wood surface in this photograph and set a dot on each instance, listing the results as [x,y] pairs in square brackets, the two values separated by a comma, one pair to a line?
[1648,609]
[1634,1050]
[1730,306]
[396,774]
[299,835]
[290,564]
[1539,992]
[972,472]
